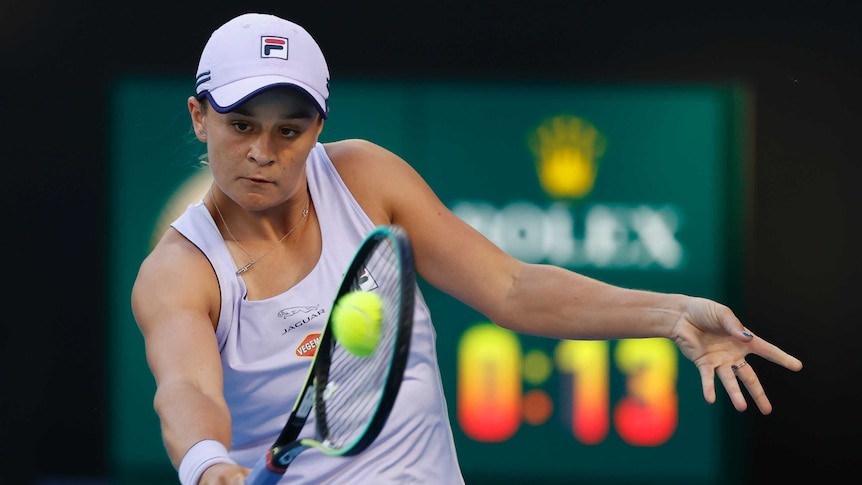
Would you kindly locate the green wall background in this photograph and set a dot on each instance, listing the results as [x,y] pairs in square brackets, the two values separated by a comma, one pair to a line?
[676,148]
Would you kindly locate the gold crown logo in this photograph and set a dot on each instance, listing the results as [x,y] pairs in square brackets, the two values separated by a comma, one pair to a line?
[567,151]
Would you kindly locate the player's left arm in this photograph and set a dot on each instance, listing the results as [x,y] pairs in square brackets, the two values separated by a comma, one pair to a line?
[454,257]
[547,300]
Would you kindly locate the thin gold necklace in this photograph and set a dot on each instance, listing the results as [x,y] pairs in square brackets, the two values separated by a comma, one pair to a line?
[252,258]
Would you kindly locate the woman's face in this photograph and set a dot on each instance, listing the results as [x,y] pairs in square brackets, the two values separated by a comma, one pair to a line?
[257,152]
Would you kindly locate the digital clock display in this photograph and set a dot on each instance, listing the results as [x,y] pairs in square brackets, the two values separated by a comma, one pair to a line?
[501,386]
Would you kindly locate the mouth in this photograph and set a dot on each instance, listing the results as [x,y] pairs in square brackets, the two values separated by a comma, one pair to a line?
[257,180]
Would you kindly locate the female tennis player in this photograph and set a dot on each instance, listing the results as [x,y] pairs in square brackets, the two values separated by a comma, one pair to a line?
[232,299]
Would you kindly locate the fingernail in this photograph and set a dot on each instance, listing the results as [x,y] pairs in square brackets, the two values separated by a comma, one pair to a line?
[747,334]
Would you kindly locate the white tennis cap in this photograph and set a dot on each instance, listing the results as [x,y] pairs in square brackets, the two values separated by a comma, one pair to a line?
[255,52]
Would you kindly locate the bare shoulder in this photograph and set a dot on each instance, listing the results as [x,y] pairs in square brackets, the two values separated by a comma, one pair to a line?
[379,179]
[359,155]
[174,278]
[349,147]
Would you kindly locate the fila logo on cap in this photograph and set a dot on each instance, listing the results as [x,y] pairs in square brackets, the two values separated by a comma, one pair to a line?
[273,47]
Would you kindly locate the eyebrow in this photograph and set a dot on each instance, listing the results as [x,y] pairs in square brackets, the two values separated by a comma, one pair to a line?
[300,113]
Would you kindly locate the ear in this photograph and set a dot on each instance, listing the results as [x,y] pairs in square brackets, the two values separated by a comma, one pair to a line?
[320,122]
[199,124]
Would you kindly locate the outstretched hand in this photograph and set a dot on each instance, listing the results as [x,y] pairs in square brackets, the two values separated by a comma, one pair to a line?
[712,337]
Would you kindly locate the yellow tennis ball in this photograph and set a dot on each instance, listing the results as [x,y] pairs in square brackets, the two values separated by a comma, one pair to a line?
[356,322]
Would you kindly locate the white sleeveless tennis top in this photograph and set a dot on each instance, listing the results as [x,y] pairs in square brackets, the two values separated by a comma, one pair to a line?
[266,348]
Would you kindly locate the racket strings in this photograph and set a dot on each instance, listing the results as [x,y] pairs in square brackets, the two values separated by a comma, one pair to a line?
[348,402]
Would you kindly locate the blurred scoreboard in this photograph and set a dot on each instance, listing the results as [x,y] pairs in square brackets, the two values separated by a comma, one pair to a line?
[637,185]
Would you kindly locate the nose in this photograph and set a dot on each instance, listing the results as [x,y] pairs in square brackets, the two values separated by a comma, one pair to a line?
[262,150]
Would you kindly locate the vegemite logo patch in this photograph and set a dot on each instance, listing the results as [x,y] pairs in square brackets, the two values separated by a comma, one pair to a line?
[308,347]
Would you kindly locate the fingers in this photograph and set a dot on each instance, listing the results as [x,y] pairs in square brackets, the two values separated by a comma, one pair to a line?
[732,375]
[774,354]
[707,380]
[720,354]
[752,384]
[755,344]
[731,385]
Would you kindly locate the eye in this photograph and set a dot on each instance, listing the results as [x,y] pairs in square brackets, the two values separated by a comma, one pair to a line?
[289,132]
[241,126]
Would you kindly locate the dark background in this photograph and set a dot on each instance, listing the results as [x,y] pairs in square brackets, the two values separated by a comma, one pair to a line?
[58,60]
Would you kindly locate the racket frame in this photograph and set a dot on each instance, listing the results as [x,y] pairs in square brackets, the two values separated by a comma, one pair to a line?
[287,445]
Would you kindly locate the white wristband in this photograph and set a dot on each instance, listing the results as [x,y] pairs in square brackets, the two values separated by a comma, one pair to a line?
[201,456]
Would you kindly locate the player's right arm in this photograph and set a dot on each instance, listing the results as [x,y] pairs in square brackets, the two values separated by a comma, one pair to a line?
[175,301]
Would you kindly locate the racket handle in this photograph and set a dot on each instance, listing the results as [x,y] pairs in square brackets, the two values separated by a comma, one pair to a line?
[261,474]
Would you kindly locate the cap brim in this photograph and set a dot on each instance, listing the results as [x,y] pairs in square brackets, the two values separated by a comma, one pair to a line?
[228,97]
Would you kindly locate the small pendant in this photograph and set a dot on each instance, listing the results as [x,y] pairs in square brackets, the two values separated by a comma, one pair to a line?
[245,268]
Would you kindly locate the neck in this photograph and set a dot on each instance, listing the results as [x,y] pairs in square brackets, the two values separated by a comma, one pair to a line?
[253,259]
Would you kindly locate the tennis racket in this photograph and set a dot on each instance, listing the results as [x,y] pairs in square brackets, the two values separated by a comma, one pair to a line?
[352,396]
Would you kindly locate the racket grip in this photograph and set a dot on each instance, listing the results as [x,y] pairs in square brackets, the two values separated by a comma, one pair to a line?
[261,474]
